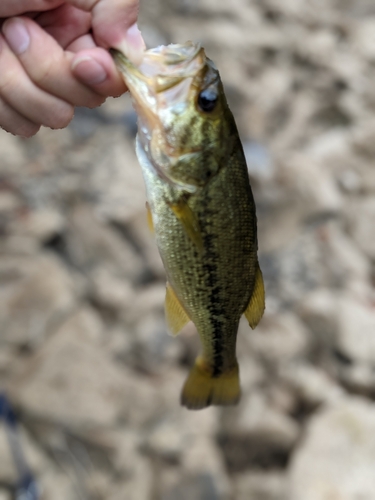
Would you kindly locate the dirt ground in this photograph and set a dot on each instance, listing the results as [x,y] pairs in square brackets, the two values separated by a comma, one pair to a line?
[84,354]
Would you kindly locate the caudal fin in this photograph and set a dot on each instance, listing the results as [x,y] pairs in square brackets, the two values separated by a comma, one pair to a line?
[202,389]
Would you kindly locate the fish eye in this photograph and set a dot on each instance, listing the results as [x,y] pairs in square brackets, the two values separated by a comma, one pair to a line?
[207,100]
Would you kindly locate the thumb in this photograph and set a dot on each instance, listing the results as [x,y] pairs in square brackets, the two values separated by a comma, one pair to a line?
[114,25]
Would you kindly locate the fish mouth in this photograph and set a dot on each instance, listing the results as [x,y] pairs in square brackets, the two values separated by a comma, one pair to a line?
[164,77]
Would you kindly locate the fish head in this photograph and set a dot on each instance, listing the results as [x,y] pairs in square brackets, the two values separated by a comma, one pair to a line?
[182,112]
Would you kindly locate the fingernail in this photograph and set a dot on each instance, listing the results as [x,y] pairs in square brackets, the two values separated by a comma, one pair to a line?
[16,35]
[89,70]
[133,45]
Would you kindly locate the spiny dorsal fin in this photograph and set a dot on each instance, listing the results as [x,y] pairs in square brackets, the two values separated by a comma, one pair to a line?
[189,221]
[175,314]
[150,222]
[256,306]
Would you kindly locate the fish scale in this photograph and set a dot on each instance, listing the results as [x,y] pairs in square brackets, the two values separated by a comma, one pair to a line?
[202,210]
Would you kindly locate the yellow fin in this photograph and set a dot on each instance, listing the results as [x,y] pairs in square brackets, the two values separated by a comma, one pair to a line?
[150,222]
[256,306]
[174,312]
[201,389]
[189,221]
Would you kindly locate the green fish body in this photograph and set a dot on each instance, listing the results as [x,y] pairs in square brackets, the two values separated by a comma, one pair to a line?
[202,210]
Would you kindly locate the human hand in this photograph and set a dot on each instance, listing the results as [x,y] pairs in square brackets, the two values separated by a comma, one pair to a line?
[54,58]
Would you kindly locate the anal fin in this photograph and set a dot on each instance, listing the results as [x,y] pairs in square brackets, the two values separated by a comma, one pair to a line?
[256,306]
[150,222]
[175,314]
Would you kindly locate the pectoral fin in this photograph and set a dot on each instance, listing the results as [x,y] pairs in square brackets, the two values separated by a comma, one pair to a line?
[189,221]
[174,312]
[256,306]
[150,222]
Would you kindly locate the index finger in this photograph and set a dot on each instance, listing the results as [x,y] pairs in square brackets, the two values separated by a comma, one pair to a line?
[114,25]
[113,21]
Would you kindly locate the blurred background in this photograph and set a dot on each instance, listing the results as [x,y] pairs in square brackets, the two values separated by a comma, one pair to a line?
[84,354]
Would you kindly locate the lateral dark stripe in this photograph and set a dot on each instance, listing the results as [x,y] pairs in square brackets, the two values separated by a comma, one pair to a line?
[215,309]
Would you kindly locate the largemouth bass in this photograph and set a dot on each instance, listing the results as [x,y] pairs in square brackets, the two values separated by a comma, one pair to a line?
[202,209]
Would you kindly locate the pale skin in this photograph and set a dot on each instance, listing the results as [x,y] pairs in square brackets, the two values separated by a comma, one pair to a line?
[53,57]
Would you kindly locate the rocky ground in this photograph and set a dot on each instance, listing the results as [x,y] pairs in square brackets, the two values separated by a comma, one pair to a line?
[85,357]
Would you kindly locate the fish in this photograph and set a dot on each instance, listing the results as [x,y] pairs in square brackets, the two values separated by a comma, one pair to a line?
[201,209]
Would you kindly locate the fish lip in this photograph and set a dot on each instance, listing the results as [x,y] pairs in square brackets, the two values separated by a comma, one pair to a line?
[174,61]
[125,65]
[161,69]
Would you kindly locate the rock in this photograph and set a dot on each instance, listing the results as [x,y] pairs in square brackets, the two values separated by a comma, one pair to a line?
[361,215]
[318,311]
[347,262]
[148,299]
[131,476]
[37,293]
[350,181]
[148,331]
[314,187]
[335,458]
[200,486]
[355,336]
[259,162]
[166,441]
[252,370]
[202,460]
[71,381]
[363,38]
[90,243]
[33,456]
[145,241]
[302,111]
[311,385]
[138,486]
[344,323]
[40,224]
[260,485]
[111,292]
[297,267]
[188,439]
[12,148]
[9,203]
[8,361]
[57,485]
[116,178]
[278,338]
[256,434]
[363,138]
[178,437]
[358,378]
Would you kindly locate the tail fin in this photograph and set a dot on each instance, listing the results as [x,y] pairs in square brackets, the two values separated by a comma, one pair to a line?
[202,389]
